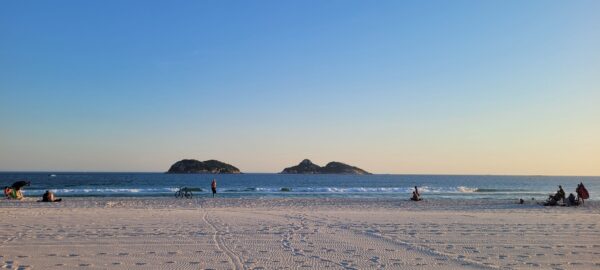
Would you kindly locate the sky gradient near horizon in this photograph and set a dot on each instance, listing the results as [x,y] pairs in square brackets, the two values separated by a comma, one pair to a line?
[457,87]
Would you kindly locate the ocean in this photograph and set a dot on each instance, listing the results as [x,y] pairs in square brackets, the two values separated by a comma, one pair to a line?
[76,184]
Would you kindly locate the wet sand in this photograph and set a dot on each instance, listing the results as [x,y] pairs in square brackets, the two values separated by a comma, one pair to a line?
[298,233]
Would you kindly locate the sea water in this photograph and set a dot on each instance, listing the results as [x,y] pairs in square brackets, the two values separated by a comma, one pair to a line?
[287,185]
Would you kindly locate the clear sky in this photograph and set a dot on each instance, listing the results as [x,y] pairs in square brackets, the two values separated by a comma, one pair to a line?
[459,87]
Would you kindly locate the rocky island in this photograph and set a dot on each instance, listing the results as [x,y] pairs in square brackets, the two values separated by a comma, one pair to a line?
[307,167]
[195,166]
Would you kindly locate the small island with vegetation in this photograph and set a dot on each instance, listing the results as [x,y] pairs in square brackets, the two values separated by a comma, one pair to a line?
[307,167]
[209,166]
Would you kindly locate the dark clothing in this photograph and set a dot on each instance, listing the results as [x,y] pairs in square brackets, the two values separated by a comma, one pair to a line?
[572,200]
[46,197]
[560,195]
[213,186]
[49,197]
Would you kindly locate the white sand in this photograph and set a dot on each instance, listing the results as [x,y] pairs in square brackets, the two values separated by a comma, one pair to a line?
[93,233]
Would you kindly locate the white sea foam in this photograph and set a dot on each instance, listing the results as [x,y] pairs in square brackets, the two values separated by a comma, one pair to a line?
[466,189]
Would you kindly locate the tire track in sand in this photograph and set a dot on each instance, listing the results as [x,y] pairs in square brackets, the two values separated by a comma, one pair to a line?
[233,258]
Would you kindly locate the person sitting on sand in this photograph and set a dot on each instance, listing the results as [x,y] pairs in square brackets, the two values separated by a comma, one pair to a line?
[13,194]
[49,197]
[571,201]
[7,192]
[416,196]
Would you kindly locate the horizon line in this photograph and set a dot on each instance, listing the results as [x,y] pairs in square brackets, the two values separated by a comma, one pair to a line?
[431,174]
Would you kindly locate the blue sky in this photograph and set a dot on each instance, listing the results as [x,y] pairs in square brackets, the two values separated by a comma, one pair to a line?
[498,87]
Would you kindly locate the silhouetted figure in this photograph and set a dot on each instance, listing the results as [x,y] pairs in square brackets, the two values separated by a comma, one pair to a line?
[582,193]
[416,196]
[571,201]
[49,197]
[560,194]
[213,186]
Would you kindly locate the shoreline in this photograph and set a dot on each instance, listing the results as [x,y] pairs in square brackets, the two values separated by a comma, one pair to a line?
[159,202]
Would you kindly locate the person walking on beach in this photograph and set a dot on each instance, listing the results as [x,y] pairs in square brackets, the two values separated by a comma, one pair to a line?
[582,193]
[213,186]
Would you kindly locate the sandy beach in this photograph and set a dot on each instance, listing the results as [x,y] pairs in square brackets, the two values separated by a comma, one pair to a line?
[296,233]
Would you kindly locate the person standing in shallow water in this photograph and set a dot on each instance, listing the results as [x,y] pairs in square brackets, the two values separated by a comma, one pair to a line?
[213,186]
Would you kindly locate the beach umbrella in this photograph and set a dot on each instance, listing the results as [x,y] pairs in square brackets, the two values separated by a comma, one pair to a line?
[19,184]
